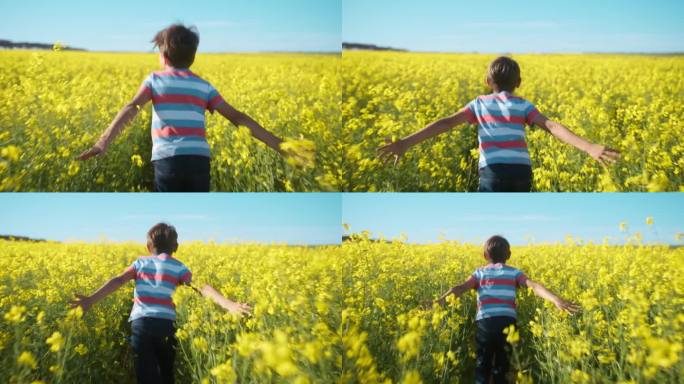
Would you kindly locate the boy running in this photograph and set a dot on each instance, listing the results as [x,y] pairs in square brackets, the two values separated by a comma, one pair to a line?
[496,285]
[180,151]
[153,315]
[504,164]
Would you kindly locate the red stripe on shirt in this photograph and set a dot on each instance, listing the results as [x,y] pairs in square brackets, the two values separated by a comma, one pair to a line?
[168,130]
[154,300]
[179,99]
[521,279]
[494,300]
[214,102]
[157,277]
[504,144]
[147,90]
[532,115]
[470,115]
[502,119]
[186,277]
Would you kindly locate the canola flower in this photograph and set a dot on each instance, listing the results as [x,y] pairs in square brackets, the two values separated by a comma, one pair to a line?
[349,313]
[630,329]
[56,104]
[632,103]
[293,336]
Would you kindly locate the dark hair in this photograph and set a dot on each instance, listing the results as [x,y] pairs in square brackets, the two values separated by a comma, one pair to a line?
[162,238]
[178,44]
[505,73]
[497,249]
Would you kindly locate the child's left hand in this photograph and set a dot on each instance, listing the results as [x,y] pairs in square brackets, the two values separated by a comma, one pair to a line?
[239,308]
[603,154]
[567,306]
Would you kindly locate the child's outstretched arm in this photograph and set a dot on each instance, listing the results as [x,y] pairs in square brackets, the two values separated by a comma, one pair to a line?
[230,306]
[125,115]
[545,294]
[238,118]
[85,302]
[397,148]
[456,291]
[600,153]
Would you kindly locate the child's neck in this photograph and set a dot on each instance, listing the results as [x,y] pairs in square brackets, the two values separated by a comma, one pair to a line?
[170,68]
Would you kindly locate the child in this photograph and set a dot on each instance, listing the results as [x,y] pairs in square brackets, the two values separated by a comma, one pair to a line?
[504,164]
[180,152]
[496,285]
[153,314]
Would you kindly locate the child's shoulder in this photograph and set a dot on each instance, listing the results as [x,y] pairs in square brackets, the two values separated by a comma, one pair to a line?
[502,97]
[511,268]
[176,262]
[187,75]
[497,266]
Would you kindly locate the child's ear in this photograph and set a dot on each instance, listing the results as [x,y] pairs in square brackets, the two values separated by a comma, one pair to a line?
[149,247]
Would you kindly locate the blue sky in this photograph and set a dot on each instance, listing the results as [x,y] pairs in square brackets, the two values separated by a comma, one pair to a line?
[301,218]
[499,26]
[224,25]
[543,217]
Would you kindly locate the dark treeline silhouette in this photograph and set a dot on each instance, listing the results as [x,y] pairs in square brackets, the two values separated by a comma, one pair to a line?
[21,238]
[370,47]
[7,44]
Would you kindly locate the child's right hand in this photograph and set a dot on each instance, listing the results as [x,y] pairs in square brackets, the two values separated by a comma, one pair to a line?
[603,154]
[567,306]
[392,149]
[81,301]
[94,151]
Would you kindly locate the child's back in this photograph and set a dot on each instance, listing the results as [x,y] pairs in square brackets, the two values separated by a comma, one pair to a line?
[179,99]
[496,285]
[501,119]
[156,279]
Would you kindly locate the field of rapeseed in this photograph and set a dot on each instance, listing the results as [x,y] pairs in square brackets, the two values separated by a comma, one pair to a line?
[630,331]
[56,104]
[348,313]
[632,103]
[293,335]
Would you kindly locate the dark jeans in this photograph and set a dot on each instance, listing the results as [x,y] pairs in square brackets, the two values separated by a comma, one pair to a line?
[505,178]
[154,350]
[182,173]
[492,349]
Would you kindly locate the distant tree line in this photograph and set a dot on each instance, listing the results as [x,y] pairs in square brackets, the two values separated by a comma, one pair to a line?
[7,44]
[369,47]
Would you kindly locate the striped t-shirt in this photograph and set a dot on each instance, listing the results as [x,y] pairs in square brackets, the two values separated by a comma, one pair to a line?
[156,279]
[496,285]
[179,99]
[501,119]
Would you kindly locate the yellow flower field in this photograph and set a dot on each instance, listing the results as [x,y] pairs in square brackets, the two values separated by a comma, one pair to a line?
[292,337]
[633,103]
[56,104]
[348,314]
[630,331]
